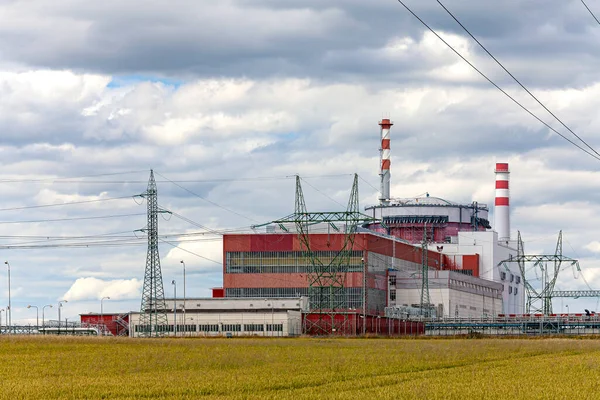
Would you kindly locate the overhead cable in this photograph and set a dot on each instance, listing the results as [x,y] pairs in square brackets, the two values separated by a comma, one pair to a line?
[590,11]
[205,199]
[515,79]
[494,84]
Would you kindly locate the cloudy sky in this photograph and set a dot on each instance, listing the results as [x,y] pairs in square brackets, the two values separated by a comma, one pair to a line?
[228,99]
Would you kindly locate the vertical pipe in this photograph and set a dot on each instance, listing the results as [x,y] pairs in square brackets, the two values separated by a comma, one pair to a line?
[385,125]
[501,212]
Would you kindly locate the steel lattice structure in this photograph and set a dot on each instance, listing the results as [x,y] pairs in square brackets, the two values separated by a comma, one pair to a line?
[540,300]
[425,298]
[327,295]
[576,293]
[153,311]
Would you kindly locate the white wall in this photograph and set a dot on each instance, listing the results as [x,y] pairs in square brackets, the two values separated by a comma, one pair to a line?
[491,253]
[290,321]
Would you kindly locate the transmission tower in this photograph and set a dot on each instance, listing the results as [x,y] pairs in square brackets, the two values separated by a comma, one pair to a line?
[425,299]
[153,312]
[328,299]
[539,300]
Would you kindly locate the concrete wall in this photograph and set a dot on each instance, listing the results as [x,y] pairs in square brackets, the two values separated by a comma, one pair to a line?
[491,253]
[452,293]
[275,323]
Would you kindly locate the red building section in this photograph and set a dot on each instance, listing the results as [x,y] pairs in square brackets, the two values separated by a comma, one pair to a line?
[465,263]
[116,324]
[356,324]
[364,244]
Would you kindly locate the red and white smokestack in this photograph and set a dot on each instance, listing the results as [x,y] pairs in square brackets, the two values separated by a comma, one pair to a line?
[385,125]
[501,212]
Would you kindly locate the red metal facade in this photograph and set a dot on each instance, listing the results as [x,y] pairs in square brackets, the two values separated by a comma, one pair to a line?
[109,320]
[373,325]
[318,242]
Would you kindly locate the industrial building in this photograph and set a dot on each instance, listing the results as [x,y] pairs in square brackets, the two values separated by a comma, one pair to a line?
[274,265]
[272,316]
[423,256]
[466,276]
[451,294]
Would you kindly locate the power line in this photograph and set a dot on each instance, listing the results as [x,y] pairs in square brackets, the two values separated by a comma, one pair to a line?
[191,252]
[590,11]
[71,219]
[515,79]
[494,84]
[208,201]
[64,204]
[8,180]
[324,194]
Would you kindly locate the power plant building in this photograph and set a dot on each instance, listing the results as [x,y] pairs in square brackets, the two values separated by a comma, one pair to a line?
[464,255]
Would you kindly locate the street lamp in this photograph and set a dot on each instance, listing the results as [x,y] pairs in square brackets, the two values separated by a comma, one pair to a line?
[59,307]
[1,310]
[174,306]
[567,308]
[182,263]
[102,313]
[37,316]
[9,307]
[43,317]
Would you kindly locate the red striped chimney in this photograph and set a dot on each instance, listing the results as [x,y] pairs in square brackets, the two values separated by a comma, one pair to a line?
[385,125]
[502,207]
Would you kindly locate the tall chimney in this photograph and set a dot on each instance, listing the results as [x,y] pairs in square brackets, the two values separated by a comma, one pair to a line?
[502,210]
[385,124]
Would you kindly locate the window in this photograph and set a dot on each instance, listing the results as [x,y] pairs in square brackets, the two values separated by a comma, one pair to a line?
[503,275]
[232,328]
[186,328]
[392,280]
[518,280]
[208,328]
[516,290]
[509,289]
[254,328]
[392,295]
[512,277]
[274,327]
[284,262]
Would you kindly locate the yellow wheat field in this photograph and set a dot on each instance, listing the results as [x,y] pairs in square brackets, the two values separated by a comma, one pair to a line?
[111,368]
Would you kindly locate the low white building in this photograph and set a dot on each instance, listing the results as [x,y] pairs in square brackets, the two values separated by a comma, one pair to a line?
[229,317]
[451,294]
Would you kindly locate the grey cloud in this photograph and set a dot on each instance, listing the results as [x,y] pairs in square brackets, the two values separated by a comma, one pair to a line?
[330,40]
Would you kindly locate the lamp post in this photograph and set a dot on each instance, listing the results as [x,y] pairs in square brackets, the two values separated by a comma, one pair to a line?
[37,316]
[9,307]
[59,307]
[567,308]
[1,310]
[182,263]
[43,319]
[174,306]
[102,313]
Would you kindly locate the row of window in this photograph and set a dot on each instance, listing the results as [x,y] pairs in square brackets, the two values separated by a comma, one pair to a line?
[511,291]
[469,285]
[513,278]
[211,328]
[326,297]
[257,262]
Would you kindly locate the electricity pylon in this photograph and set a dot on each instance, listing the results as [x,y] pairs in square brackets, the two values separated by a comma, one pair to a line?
[328,299]
[425,298]
[153,311]
[540,300]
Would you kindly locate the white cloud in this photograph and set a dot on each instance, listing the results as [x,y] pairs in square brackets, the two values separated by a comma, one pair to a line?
[93,288]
